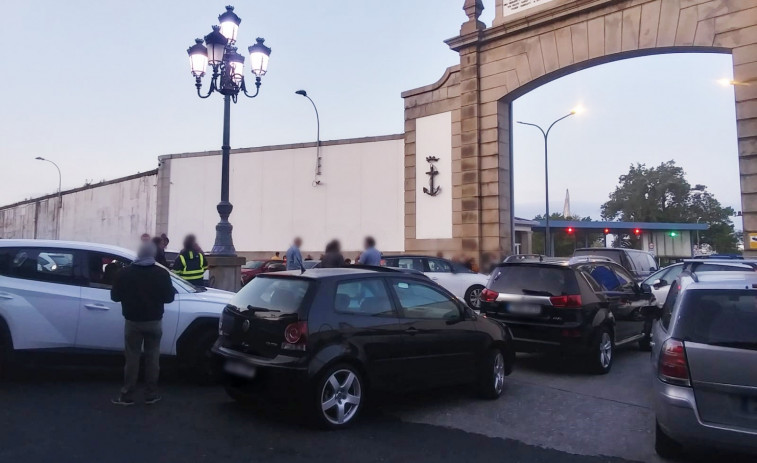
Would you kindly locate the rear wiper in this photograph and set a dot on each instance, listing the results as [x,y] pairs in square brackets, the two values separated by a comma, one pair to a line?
[533,292]
[261,309]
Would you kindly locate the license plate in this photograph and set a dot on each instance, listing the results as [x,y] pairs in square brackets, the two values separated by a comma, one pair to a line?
[524,309]
[239,369]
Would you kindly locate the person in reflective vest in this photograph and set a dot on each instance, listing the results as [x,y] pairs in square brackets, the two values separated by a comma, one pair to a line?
[191,263]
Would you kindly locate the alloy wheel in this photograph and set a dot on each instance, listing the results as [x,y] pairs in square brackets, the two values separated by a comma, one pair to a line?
[341,397]
[474,298]
[605,350]
[499,372]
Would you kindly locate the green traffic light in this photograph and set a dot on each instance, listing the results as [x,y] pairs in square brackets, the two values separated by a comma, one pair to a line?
[673,234]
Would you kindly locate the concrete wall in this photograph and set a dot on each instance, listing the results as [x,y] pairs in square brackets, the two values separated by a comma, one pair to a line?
[115,212]
[361,193]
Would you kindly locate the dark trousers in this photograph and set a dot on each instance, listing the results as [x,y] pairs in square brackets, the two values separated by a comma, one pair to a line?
[137,335]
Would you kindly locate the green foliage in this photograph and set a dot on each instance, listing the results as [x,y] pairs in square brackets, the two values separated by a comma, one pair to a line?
[662,194]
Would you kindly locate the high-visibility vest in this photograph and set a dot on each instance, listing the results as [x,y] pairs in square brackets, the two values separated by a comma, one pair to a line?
[192,274]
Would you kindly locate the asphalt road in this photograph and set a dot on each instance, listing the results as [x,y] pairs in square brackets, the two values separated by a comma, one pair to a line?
[551,412]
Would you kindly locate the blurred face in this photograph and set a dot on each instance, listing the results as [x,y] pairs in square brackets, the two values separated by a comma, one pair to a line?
[145,238]
[297,242]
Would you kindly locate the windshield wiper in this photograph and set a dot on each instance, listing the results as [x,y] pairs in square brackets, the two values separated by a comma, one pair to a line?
[261,309]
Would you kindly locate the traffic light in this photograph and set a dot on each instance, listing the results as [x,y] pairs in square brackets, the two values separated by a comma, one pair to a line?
[673,234]
[570,230]
[636,231]
[607,231]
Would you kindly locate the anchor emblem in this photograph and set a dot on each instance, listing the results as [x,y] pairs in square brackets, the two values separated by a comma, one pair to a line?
[433,172]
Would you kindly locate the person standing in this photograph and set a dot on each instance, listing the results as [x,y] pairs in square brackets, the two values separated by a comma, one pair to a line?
[371,255]
[191,263]
[294,256]
[160,256]
[333,257]
[142,289]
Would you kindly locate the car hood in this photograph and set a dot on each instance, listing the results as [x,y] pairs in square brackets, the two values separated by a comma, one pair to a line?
[212,295]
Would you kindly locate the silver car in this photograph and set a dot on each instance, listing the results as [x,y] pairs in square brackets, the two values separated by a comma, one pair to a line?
[705,363]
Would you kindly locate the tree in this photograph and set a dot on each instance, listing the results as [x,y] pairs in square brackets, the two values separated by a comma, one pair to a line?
[662,194]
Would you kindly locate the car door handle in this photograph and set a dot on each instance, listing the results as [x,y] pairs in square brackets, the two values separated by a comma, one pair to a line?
[411,331]
[96,307]
[6,296]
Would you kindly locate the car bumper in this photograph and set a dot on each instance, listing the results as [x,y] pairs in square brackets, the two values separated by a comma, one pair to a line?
[677,414]
[530,338]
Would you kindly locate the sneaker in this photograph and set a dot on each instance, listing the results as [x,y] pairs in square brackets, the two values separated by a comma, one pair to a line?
[153,400]
[123,401]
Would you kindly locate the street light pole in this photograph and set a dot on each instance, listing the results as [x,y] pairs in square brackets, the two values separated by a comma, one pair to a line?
[227,79]
[547,236]
[60,179]
[317,180]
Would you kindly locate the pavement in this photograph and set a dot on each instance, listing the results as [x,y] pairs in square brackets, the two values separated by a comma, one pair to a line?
[550,412]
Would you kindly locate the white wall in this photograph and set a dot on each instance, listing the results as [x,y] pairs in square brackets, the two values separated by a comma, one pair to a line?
[362,193]
[114,213]
[433,214]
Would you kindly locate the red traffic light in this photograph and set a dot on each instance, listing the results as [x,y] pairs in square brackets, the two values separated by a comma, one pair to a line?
[607,231]
[636,232]
[570,230]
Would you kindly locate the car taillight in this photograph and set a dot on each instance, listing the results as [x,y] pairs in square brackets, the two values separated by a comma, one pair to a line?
[673,367]
[487,295]
[295,335]
[566,301]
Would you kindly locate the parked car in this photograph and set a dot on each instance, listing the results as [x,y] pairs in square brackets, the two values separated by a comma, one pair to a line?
[326,336]
[661,280]
[254,268]
[67,308]
[705,364]
[454,276]
[641,264]
[586,308]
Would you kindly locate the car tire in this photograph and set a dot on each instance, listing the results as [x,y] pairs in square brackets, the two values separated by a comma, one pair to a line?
[472,296]
[202,365]
[338,396]
[602,351]
[665,446]
[491,382]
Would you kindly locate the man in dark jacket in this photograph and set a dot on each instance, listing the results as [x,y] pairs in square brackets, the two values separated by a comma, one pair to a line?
[142,289]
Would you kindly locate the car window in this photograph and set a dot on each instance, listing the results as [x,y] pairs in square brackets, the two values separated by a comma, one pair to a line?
[438,265]
[421,301]
[719,317]
[461,268]
[672,273]
[363,297]
[609,253]
[641,262]
[414,263]
[40,264]
[736,267]
[591,281]
[283,295]
[624,278]
[277,267]
[652,263]
[533,280]
[103,269]
[605,276]
[670,302]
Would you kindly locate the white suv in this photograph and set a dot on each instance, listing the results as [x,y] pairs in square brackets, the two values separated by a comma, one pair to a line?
[55,297]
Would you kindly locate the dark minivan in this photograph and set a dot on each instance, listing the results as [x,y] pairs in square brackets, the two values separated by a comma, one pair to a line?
[586,308]
[641,264]
[325,336]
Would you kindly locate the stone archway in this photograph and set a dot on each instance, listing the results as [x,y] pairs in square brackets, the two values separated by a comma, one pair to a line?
[527,49]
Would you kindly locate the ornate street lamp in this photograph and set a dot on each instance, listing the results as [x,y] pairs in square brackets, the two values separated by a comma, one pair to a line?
[227,78]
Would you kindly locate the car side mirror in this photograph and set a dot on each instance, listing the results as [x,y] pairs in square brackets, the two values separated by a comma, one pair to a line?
[646,289]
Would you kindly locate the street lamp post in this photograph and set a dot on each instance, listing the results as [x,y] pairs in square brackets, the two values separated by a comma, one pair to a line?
[317,180]
[220,52]
[545,133]
[60,179]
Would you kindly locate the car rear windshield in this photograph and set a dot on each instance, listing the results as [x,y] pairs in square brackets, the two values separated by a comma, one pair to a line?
[272,294]
[535,280]
[718,317]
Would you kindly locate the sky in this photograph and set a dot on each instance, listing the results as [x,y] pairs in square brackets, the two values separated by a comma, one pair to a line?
[110,90]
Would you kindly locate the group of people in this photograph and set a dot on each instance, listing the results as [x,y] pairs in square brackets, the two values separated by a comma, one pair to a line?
[332,256]
[189,264]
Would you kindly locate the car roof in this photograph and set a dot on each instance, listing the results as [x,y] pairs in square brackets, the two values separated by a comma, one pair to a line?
[323,273]
[717,280]
[556,262]
[720,261]
[612,249]
[80,245]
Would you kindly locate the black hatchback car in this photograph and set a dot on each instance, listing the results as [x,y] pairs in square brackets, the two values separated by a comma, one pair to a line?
[587,308]
[328,335]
